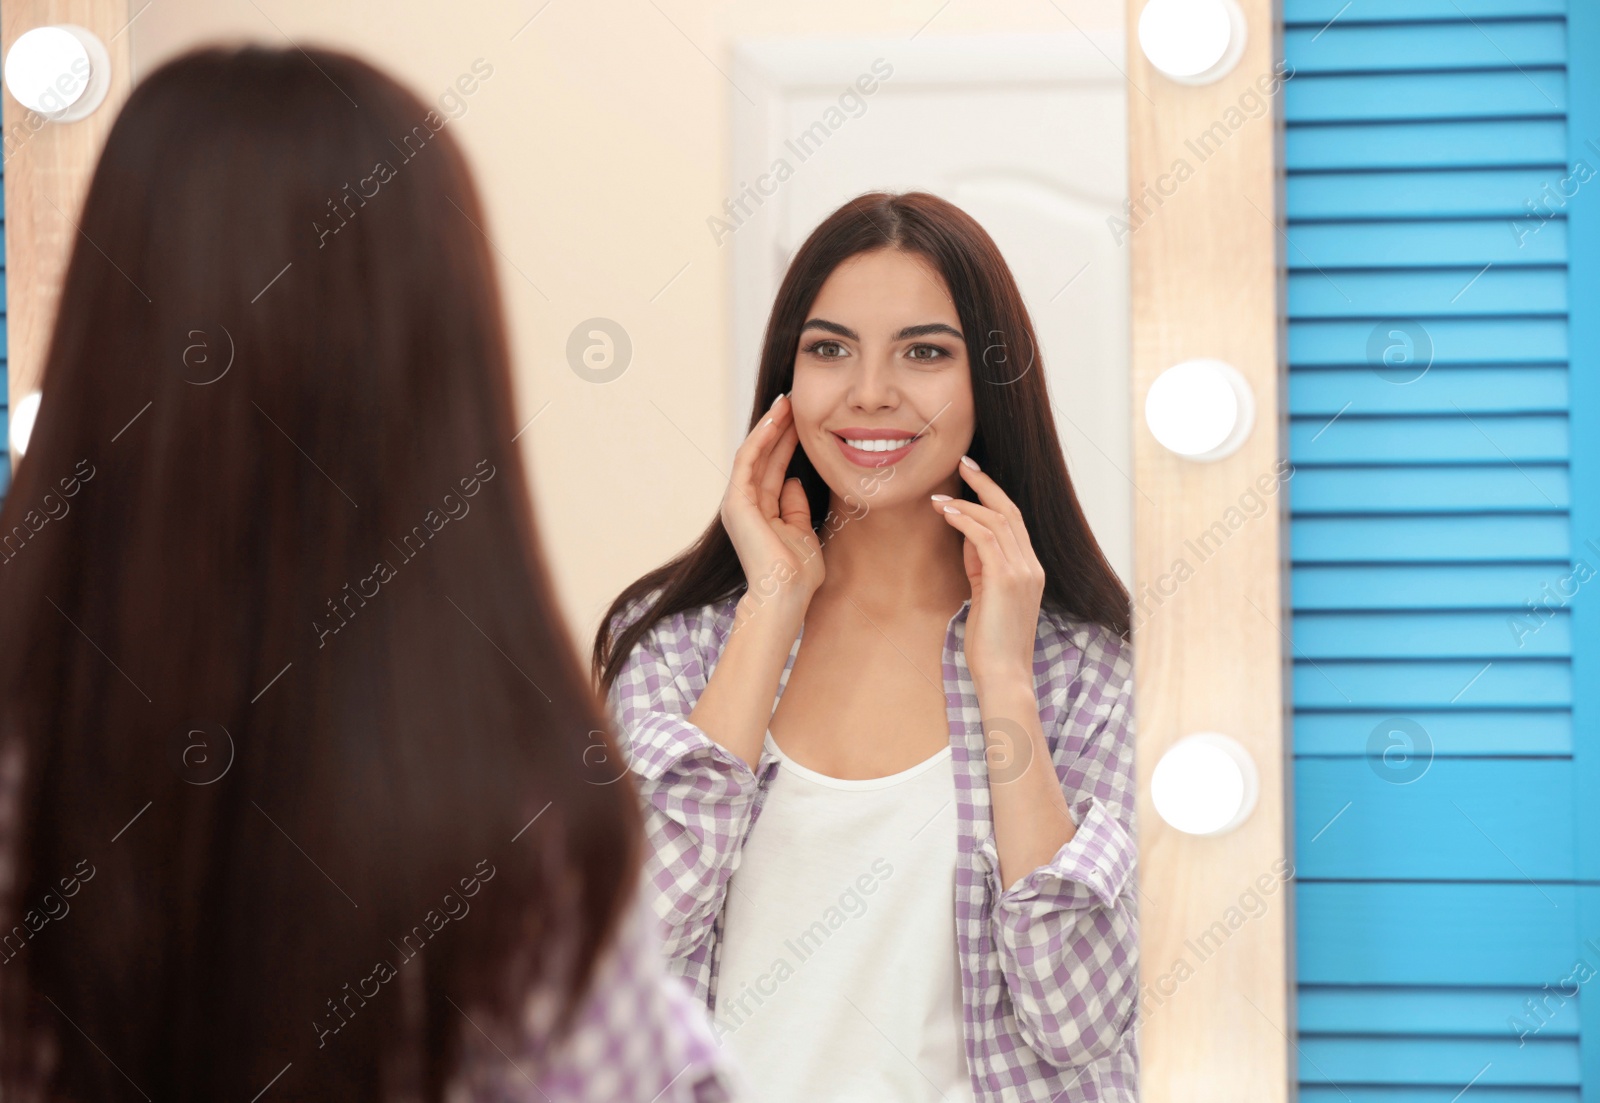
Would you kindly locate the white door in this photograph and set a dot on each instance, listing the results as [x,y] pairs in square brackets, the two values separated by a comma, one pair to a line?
[1027,133]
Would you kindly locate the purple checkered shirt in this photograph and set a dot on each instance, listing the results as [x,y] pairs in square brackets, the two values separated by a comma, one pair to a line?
[640,1037]
[1049,967]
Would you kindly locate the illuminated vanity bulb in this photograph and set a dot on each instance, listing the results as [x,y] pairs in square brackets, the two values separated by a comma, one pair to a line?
[1206,784]
[1200,409]
[22,419]
[61,72]
[1192,41]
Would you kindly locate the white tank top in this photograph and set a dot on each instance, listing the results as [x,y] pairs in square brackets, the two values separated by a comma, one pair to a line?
[838,975]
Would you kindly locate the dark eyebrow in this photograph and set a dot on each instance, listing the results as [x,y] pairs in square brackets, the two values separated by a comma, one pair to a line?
[928,329]
[830,327]
[907,333]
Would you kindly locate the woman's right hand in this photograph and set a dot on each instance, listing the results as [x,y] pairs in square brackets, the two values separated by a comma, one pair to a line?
[768,518]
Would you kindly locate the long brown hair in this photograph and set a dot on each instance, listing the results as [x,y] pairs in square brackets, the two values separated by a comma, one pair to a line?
[1015,439]
[308,760]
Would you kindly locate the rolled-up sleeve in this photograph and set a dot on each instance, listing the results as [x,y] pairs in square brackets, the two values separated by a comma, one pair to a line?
[699,797]
[1068,930]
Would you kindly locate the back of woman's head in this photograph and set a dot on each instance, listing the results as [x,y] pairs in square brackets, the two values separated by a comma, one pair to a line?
[275,638]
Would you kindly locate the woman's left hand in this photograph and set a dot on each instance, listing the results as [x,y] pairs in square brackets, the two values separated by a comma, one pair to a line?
[1006,577]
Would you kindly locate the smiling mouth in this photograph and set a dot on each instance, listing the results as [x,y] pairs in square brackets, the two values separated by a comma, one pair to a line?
[875,451]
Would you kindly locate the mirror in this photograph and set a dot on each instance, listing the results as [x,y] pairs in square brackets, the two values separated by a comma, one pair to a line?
[893,385]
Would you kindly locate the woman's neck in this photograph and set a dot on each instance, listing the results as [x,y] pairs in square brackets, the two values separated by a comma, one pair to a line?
[901,557]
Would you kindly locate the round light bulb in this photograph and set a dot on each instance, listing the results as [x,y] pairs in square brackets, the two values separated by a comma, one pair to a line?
[1206,784]
[23,416]
[1192,41]
[1200,409]
[61,72]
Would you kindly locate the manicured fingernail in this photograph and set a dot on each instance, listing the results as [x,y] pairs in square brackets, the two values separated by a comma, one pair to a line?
[951,509]
[775,401]
[942,498]
[970,462]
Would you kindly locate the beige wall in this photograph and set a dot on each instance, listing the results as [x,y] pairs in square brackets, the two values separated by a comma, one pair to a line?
[601,143]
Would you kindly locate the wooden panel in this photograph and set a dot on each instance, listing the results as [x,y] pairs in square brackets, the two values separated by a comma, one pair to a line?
[1207,281]
[5,401]
[48,167]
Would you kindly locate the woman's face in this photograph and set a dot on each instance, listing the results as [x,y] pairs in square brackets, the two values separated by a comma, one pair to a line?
[882,394]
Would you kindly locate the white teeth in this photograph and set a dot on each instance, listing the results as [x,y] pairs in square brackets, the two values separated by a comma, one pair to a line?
[879,445]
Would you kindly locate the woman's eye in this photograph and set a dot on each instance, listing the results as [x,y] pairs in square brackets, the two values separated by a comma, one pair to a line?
[825,350]
[927,352]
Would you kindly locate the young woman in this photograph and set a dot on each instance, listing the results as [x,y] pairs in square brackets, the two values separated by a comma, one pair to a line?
[294,803]
[880,712]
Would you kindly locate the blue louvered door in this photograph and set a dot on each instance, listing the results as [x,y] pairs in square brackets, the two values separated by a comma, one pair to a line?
[1442,426]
